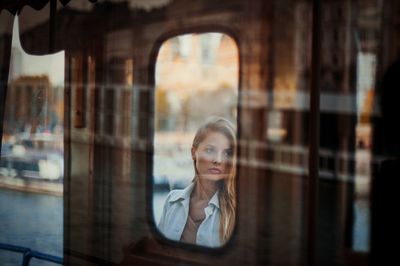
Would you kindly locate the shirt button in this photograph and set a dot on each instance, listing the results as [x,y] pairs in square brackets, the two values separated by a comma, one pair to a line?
[209,212]
[176,229]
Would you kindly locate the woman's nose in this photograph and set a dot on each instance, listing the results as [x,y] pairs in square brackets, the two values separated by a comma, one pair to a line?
[217,158]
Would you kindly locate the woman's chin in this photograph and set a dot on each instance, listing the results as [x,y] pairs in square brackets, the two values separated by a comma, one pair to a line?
[213,177]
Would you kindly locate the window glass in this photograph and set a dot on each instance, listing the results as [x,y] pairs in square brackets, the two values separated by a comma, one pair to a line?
[31,170]
[196,82]
[349,67]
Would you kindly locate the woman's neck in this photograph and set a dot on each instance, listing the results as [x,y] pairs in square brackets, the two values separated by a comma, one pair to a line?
[205,189]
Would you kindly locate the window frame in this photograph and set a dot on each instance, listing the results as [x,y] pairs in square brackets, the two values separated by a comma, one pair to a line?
[150,182]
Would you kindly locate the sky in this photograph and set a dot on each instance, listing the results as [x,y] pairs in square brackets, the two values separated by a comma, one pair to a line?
[51,65]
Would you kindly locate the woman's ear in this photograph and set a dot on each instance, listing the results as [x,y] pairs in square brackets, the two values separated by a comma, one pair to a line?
[193,151]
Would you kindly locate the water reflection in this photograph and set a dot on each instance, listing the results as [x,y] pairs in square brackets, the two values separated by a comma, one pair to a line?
[32,220]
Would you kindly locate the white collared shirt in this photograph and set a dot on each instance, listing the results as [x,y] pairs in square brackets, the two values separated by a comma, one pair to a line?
[175,215]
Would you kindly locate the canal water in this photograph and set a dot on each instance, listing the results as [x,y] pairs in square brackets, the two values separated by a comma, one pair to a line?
[30,220]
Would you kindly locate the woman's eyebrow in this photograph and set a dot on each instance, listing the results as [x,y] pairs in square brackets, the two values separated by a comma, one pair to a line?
[214,146]
[210,145]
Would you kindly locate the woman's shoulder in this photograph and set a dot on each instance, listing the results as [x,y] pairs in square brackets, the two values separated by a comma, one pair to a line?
[179,194]
[174,194]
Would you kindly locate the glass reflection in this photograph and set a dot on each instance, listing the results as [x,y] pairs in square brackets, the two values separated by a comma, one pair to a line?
[32,146]
[32,164]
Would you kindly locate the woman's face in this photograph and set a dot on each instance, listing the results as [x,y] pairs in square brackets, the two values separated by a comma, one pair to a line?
[212,157]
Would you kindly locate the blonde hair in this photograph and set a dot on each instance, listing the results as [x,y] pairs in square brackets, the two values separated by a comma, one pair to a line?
[227,192]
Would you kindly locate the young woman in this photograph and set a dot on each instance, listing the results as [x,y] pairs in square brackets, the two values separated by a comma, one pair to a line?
[204,212]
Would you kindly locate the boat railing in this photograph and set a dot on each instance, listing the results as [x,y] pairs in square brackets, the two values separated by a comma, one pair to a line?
[28,254]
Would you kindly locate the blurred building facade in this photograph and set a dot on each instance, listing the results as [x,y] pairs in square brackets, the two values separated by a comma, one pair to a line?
[33,106]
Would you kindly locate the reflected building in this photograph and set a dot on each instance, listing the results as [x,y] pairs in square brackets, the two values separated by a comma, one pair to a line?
[349,45]
[196,77]
[34,105]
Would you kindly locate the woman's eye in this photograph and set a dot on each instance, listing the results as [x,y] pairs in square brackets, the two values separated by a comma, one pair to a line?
[209,150]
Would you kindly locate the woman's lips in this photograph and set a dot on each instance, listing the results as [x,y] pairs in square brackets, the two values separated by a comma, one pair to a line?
[215,171]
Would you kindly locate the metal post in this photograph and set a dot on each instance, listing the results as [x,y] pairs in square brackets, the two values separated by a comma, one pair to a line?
[26,258]
[313,163]
[52,23]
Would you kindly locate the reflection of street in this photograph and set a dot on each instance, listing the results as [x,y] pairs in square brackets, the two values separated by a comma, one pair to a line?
[286,222]
[361,225]
[166,162]
[363,172]
[362,185]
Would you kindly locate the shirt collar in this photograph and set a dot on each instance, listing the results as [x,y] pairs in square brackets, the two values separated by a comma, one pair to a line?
[184,194]
[215,199]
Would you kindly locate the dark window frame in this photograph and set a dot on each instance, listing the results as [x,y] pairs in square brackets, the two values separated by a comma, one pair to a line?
[150,182]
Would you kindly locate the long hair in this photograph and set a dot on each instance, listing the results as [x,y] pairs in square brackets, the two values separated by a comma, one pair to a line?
[227,191]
